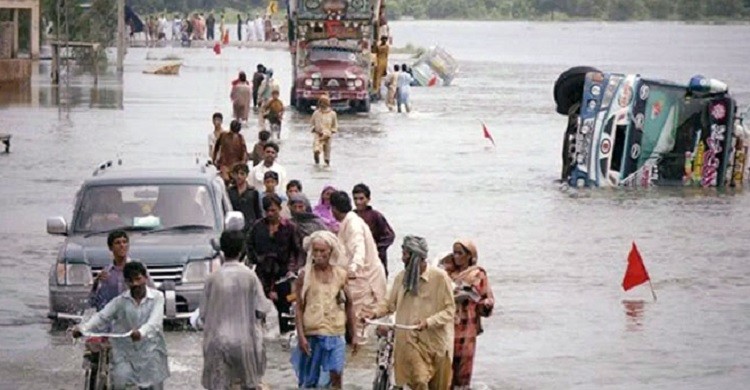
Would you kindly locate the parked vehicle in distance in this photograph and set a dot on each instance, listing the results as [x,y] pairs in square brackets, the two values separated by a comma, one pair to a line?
[170,217]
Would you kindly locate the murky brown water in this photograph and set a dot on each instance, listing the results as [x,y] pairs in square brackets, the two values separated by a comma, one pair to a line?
[555,258]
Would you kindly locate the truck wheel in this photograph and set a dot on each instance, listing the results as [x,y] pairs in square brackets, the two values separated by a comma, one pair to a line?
[569,87]
[304,106]
[364,105]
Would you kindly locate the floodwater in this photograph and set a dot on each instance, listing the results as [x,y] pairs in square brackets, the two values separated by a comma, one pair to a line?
[555,257]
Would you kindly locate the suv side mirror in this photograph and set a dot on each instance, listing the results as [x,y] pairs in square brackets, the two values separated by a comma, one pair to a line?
[57,226]
[234,221]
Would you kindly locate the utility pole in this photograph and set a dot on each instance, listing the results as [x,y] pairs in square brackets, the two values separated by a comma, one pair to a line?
[120,35]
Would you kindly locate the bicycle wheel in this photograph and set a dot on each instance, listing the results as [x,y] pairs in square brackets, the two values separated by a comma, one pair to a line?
[102,371]
[382,380]
[88,380]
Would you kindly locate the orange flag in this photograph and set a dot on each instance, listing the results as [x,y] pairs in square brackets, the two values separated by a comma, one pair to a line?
[487,134]
[636,273]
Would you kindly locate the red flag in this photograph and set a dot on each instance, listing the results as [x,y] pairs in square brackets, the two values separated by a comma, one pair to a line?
[433,81]
[487,134]
[636,273]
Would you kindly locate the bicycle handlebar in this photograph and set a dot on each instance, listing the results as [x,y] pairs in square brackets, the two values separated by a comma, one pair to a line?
[108,335]
[391,325]
[65,316]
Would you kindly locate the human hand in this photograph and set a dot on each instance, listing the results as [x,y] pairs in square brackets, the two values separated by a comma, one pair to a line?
[136,335]
[381,331]
[421,324]
[76,332]
[303,345]
[273,296]
[102,276]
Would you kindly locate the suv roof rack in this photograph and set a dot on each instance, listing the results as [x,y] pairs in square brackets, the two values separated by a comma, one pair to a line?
[105,165]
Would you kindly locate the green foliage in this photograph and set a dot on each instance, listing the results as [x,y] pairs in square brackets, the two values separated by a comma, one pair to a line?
[567,9]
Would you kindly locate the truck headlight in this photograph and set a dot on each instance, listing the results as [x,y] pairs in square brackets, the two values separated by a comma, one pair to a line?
[358,83]
[316,83]
[196,271]
[308,82]
[73,274]
[350,83]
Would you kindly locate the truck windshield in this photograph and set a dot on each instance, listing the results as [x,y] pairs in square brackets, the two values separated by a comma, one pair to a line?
[332,54]
[144,207]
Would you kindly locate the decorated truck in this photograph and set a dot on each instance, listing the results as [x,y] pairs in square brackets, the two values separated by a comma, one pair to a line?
[628,130]
[331,43]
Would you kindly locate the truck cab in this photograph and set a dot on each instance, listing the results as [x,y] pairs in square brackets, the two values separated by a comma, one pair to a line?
[336,71]
[331,45]
[170,217]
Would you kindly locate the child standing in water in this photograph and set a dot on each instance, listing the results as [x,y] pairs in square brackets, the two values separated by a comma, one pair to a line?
[324,125]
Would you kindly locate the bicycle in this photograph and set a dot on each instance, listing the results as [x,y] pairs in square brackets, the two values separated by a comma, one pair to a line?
[384,358]
[291,316]
[96,354]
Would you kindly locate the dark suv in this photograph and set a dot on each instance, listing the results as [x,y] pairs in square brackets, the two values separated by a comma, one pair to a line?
[171,217]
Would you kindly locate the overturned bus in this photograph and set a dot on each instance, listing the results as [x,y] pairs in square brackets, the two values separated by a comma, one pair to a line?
[628,130]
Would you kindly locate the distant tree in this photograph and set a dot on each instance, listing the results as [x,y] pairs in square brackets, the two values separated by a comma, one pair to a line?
[725,8]
[690,9]
[662,9]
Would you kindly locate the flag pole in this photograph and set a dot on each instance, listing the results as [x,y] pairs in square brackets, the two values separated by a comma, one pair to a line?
[652,289]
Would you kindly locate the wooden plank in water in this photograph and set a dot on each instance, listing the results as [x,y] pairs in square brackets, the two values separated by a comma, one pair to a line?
[5,138]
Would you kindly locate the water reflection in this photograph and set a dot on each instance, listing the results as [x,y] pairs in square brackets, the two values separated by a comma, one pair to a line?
[634,313]
[81,90]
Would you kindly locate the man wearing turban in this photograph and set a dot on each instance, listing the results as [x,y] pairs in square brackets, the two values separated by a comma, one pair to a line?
[421,295]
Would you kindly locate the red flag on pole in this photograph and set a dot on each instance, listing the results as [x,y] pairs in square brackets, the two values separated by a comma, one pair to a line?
[636,273]
[487,134]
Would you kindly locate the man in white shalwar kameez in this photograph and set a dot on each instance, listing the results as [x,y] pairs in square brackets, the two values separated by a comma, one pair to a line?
[232,309]
[367,282]
[260,29]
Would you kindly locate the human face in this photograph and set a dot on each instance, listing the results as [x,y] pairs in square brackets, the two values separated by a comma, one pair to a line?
[461,257]
[293,190]
[270,155]
[360,201]
[120,248]
[298,208]
[327,195]
[405,256]
[137,286]
[270,185]
[321,254]
[240,177]
[273,212]
[217,122]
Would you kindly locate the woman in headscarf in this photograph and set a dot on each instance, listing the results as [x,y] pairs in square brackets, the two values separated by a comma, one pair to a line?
[323,209]
[324,311]
[474,299]
[301,212]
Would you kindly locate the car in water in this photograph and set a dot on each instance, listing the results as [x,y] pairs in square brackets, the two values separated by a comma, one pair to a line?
[629,130]
[171,217]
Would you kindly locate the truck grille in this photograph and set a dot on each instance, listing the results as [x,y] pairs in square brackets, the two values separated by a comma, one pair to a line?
[159,273]
[334,83]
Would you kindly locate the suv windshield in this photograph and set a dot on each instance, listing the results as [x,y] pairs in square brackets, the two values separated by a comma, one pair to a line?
[332,54]
[144,207]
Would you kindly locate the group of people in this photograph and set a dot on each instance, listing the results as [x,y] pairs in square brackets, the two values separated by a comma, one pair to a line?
[397,83]
[341,284]
[263,93]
